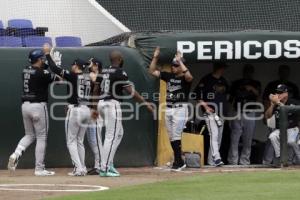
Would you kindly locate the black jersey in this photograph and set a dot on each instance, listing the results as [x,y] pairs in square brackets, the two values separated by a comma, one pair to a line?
[178,89]
[112,82]
[80,88]
[293,117]
[35,84]
[239,94]
[213,90]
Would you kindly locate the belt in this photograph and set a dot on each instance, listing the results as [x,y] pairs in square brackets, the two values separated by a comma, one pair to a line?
[175,106]
[34,102]
[76,105]
[109,99]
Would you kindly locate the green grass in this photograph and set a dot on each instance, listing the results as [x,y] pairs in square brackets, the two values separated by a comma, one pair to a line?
[230,186]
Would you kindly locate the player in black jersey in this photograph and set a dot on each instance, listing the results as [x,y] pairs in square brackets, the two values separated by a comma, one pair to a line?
[178,88]
[211,93]
[95,143]
[113,81]
[36,80]
[280,98]
[79,114]
[243,91]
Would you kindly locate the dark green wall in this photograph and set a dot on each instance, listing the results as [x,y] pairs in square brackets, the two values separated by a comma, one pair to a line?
[138,147]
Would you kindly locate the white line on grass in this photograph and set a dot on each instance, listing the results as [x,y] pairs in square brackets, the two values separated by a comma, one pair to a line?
[12,187]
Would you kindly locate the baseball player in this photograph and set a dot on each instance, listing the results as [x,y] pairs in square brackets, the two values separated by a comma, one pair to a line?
[211,93]
[280,98]
[243,91]
[284,72]
[114,80]
[36,80]
[79,114]
[95,144]
[179,82]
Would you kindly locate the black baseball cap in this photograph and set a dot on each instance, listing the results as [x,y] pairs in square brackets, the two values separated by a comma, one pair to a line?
[96,61]
[281,88]
[81,63]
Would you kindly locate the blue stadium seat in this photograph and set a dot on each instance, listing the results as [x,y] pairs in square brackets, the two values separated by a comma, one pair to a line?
[2,30]
[9,41]
[68,41]
[20,23]
[36,41]
[21,27]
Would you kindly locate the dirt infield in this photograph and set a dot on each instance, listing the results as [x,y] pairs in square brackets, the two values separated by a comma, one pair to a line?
[130,176]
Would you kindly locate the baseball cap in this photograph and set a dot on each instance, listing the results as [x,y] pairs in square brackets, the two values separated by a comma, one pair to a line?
[96,61]
[281,88]
[81,63]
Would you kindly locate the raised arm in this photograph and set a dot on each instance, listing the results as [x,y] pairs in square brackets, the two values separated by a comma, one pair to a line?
[187,75]
[274,100]
[152,68]
[54,68]
[65,74]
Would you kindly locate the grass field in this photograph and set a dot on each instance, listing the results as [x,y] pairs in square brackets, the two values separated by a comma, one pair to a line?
[227,186]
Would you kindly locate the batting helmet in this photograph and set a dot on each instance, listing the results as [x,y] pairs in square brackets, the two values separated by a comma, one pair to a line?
[34,55]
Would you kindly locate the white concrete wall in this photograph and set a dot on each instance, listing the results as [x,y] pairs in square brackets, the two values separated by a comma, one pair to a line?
[64,17]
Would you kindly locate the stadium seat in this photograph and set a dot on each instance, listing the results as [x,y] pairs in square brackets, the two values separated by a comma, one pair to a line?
[20,27]
[36,41]
[2,30]
[68,41]
[9,41]
[20,23]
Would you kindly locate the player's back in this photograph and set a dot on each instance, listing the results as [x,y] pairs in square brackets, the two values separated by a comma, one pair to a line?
[35,84]
[113,80]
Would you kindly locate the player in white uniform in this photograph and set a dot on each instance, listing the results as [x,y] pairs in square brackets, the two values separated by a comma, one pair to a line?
[95,143]
[212,93]
[79,114]
[113,81]
[178,88]
[34,110]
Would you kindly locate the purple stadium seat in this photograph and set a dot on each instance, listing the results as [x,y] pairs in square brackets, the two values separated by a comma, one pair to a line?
[68,41]
[20,23]
[9,41]
[36,41]
[21,27]
[2,30]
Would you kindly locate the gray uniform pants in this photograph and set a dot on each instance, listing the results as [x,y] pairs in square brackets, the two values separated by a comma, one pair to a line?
[292,138]
[241,127]
[35,118]
[176,119]
[95,141]
[76,123]
[110,117]
[216,133]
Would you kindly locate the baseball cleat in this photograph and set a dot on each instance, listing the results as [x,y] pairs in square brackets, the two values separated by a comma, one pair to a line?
[219,163]
[76,173]
[13,162]
[108,174]
[44,173]
[276,162]
[179,169]
[93,171]
[113,169]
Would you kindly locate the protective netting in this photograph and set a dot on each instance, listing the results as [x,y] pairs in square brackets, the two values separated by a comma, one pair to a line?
[206,15]
[64,23]
[91,21]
